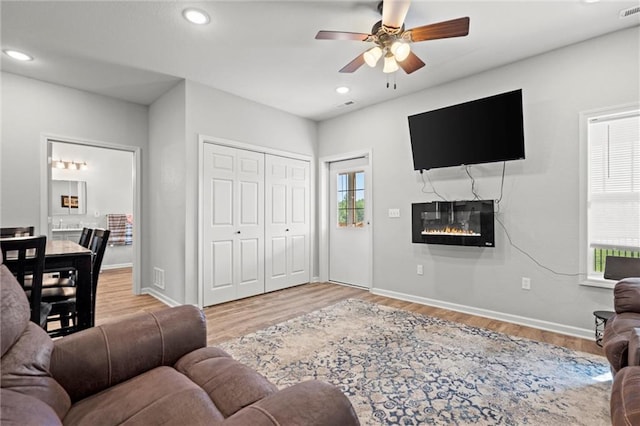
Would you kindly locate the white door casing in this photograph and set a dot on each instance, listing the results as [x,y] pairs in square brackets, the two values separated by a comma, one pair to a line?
[287,222]
[349,246]
[233,224]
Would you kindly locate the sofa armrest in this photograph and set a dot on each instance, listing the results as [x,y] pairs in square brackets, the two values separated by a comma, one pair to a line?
[92,360]
[626,295]
[311,403]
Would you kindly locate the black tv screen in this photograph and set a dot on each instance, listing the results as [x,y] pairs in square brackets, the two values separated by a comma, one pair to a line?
[480,131]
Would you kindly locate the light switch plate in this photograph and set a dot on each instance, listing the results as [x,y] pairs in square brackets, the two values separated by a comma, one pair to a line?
[394,212]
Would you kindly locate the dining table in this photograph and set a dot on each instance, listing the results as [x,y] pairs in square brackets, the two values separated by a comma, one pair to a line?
[61,254]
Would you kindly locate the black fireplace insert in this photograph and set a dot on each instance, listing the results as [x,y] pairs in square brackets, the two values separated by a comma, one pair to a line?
[459,223]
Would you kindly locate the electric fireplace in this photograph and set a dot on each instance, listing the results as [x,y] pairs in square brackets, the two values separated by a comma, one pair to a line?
[459,223]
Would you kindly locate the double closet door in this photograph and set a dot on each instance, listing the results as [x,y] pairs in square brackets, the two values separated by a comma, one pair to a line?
[256,223]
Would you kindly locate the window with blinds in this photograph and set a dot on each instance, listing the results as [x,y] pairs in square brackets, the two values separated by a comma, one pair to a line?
[614,188]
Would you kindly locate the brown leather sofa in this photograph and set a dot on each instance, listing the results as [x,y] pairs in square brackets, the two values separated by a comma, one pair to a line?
[153,368]
[621,343]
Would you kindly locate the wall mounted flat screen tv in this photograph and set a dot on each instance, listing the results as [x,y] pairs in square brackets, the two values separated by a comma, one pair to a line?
[481,131]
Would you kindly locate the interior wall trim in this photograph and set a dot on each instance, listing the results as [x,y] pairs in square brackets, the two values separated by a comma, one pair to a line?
[161,297]
[486,313]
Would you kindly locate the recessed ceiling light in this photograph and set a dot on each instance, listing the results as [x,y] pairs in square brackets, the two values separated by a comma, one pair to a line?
[590,1]
[342,90]
[196,16]
[20,56]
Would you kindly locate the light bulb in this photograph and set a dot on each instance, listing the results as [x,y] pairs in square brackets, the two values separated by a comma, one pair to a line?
[17,55]
[400,50]
[372,55]
[84,166]
[196,16]
[60,164]
[390,64]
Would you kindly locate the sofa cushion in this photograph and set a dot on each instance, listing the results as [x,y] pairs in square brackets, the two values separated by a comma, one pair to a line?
[159,396]
[14,309]
[230,385]
[616,338]
[633,357]
[26,350]
[24,410]
[627,295]
[625,398]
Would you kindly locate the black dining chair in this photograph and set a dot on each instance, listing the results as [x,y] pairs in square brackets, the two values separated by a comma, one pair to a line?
[20,231]
[85,237]
[63,298]
[24,257]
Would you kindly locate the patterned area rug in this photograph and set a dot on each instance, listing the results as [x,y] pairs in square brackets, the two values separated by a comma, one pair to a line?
[398,367]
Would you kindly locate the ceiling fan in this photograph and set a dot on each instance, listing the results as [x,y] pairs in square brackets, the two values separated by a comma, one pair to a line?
[392,40]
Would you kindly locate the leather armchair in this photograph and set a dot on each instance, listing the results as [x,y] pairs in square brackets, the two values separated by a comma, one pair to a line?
[621,342]
[151,368]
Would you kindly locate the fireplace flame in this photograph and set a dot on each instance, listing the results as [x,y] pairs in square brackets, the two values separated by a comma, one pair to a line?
[447,230]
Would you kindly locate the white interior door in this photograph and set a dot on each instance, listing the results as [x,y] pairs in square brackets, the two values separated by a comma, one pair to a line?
[287,222]
[233,252]
[349,222]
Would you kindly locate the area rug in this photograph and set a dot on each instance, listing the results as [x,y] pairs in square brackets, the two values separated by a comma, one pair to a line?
[399,367]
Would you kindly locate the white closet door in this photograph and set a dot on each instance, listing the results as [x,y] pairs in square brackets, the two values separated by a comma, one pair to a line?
[233,252]
[287,222]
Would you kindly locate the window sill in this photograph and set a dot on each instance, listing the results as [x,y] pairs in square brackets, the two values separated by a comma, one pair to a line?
[599,283]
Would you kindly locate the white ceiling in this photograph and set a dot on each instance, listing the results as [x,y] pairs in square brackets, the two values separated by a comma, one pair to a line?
[266,51]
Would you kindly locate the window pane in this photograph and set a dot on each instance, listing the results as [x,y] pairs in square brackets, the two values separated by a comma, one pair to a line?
[351,194]
[614,189]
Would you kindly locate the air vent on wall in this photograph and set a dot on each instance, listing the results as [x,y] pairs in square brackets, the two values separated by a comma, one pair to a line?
[628,12]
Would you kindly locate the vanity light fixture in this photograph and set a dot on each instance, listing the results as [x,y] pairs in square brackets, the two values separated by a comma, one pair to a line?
[17,55]
[196,16]
[69,165]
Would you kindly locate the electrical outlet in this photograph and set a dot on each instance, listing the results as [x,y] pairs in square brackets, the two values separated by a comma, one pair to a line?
[419,270]
[526,283]
[394,213]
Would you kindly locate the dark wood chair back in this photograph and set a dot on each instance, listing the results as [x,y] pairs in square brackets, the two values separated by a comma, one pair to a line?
[20,231]
[98,246]
[85,237]
[24,256]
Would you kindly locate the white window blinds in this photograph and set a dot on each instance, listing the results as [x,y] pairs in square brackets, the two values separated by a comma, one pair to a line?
[614,181]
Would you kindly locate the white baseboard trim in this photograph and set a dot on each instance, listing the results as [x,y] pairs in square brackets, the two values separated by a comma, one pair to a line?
[515,319]
[161,297]
[315,279]
[116,266]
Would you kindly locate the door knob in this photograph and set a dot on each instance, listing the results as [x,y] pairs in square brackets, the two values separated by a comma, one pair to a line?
[286,230]
[237,232]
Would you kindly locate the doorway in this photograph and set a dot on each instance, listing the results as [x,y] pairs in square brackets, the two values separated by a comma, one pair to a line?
[346,234]
[107,175]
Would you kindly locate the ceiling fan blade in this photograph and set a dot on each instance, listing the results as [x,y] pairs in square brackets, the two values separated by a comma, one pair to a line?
[453,28]
[411,64]
[354,65]
[394,12]
[341,35]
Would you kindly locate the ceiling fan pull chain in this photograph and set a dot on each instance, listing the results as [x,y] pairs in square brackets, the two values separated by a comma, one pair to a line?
[387,81]
[394,81]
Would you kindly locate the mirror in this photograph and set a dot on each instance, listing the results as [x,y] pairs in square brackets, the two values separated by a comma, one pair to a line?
[68,197]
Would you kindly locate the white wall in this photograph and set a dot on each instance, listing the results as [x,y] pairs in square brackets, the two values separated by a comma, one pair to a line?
[540,207]
[31,108]
[109,190]
[165,201]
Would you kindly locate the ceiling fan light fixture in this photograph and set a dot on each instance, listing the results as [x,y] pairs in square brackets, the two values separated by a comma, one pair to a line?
[196,16]
[400,50]
[372,56]
[390,64]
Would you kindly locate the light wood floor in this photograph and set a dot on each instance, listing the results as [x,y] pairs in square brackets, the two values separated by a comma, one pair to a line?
[234,319]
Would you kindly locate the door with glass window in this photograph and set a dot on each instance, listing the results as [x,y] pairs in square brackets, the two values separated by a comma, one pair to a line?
[349,222]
